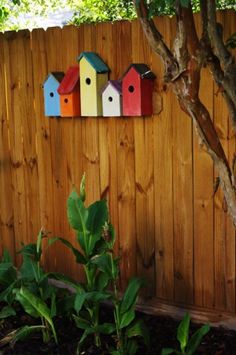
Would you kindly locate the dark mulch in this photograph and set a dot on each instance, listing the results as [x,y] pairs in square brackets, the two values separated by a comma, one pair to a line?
[218,341]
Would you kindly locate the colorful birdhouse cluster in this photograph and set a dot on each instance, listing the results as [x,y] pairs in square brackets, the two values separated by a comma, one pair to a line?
[86,91]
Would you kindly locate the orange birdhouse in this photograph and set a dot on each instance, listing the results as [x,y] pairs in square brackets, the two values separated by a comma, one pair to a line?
[69,91]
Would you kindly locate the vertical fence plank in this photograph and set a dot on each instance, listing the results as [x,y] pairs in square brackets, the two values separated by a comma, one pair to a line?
[144,183]
[163,181]
[183,200]
[22,136]
[59,256]
[105,47]
[40,72]
[125,168]
[6,207]
[90,137]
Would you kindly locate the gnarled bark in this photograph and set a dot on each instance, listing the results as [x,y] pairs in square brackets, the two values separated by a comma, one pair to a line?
[183,69]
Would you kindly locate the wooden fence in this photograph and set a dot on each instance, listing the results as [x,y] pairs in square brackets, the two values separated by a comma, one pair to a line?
[158,181]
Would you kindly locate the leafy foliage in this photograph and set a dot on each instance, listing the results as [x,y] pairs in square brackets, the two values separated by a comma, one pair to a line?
[187,346]
[86,11]
[96,237]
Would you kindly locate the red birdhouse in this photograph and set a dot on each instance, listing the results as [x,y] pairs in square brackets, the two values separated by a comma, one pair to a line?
[137,90]
[69,91]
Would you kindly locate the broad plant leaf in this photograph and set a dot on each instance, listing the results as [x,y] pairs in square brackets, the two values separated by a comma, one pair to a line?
[35,306]
[8,273]
[196,339]
[79,301]
[81,322]
[132,347]
[97,216]
[32,304]
[25,332]
[104,263]
[127,318]
[76,212]
[131,293]
[106,328]
[20,334]
[6,312]
[138,329]
[30,270]
[183,332]
[29,250]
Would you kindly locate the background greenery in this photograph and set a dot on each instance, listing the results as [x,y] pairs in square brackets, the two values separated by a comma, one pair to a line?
[86,11]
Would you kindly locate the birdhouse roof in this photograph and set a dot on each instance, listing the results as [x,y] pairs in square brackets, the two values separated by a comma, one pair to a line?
[58,75]
[143,70]
[69,81]
[95,61]
[116,84]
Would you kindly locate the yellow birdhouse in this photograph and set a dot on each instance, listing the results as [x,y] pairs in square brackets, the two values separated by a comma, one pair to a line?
[93,77]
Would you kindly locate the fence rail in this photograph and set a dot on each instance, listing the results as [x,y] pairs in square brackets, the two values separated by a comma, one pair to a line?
[157,180]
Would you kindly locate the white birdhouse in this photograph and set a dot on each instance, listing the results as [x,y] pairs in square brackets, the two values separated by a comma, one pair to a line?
[111,99]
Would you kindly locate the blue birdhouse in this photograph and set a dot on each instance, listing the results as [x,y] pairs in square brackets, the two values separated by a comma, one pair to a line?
[51,96]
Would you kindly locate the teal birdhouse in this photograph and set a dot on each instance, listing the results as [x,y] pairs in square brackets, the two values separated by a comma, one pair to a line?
[51,96]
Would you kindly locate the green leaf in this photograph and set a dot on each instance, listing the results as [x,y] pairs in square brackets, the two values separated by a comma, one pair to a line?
[76,212]
[39,244]
[29,250]
[131,293]
[19,334]
[167,351]
[101,281]
[79,301]
[80,259]
[7,311]
[92,240]
[97,216]
[183,331]
[82,188]
[24,332]
[139,329]
[32,304]
[30,270]
[36,307]
[196,339]
[107,265]
[127,318]
[132,347]
[81,322]
[8,273]
[106,328]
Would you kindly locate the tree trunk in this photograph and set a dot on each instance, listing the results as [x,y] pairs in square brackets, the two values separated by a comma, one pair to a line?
[183,70]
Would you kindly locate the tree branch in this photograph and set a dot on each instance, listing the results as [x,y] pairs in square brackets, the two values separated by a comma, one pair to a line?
[214,64]
[156,41]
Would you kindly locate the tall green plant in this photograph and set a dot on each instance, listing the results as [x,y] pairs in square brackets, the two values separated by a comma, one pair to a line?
[95,236]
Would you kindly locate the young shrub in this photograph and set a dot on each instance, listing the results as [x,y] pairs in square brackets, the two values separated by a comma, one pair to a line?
[95,236]
[187,346]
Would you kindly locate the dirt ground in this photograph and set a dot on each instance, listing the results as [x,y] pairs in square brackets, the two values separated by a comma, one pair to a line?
[162,330]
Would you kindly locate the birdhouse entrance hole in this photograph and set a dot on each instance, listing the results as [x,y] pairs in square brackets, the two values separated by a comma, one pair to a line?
[66,101]
[131,88]
[88,81]
[110,98]
[51,94]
